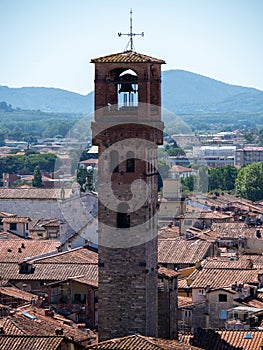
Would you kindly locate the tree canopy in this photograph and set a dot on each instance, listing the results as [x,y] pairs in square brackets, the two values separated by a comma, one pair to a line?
[249,182]
[37,179]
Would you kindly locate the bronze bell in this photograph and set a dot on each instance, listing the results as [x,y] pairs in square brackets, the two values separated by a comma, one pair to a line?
[126,88]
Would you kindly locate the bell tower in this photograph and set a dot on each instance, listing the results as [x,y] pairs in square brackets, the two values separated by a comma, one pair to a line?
[127,129]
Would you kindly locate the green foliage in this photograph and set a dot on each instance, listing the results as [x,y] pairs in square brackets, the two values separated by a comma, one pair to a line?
[5,107]
[222,177]
[37,179]
[22,125]
[82,177]
[2,138]
[249,136]
[27,163]
[249,182]
[188,184]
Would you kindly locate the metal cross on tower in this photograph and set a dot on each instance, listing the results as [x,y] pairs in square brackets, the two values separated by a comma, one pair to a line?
[131,34]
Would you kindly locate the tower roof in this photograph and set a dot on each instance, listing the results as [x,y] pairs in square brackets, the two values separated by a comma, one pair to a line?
[127,57]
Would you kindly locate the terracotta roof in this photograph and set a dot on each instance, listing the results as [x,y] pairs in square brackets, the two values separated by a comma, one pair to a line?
[4,214]
[16,293]
[127,57]
[184,301]
[78,255]
[35,342]
[85,280]
[49,271]
[235,230]
[181,251]
[89,161]
[17,219]
[32,193]
[39,324]
[169,232]
[210,339]
[225,263]
[16,250]
[166,273]
[140,342]
[219,278]
[181,169]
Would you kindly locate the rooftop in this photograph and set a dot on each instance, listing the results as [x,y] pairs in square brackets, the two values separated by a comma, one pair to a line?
[210,339]
[32,193]
[37,323]
[219,278]
[140,342]
[16,250]
[181,251]
[24,341]
[127,57]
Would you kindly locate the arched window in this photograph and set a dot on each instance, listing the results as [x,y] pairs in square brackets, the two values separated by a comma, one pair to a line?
[128,89]
[123,217]
[130,162]
[114,161]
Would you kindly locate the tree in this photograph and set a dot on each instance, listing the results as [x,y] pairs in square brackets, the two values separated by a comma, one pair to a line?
[222,177]
[188,183]
[82,177]
[249,182]
[2,139]
[37,179]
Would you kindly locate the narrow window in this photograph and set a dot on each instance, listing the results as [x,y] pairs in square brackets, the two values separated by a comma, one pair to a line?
[130,162]
[114,162]
[123,217]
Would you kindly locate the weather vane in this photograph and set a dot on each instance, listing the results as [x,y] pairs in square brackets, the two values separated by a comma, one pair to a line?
[131,34]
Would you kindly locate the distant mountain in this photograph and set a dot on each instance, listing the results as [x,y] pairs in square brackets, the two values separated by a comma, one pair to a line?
[183,92]
[47,99]
[186,92]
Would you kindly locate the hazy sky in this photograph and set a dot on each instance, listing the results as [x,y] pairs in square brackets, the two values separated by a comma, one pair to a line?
[51,42]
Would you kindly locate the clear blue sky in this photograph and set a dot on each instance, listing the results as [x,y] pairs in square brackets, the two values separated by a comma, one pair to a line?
[51,42]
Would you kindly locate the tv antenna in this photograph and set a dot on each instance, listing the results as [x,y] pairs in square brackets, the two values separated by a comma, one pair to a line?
[131,34]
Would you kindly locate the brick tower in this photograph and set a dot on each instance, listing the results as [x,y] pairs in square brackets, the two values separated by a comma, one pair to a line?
[127,129]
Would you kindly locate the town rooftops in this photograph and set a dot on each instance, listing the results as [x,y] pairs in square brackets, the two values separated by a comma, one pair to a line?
[235,229]
[24,341]
[140,342]
[16,219]
[219,278]
[181,169]
[210,339]
[127,57]
[16,293]
[181,251]
[32,321]
[33,193]
[16,250]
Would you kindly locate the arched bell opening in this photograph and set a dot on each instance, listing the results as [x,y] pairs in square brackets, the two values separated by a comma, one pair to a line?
[127,89]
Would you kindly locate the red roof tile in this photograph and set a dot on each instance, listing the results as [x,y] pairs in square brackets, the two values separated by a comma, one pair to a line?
[219,278]
[127,57]
[181,251]
[15,342]
[16,250]
[139,342]
[225,339]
